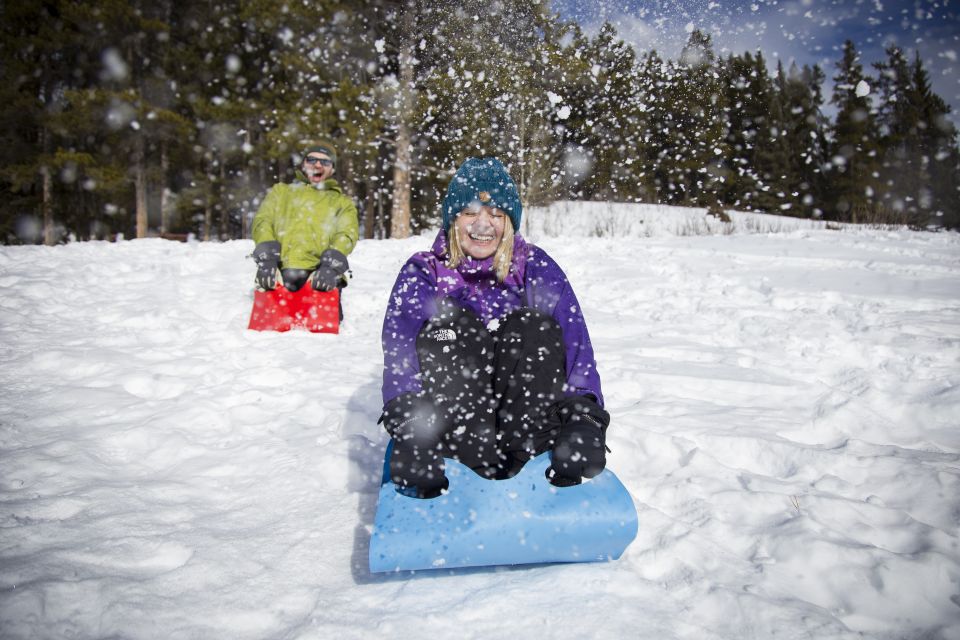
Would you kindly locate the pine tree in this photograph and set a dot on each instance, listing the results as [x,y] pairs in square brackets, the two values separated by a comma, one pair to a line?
[854,175]
[699,131]
[605,126]
[484,90]
[36,41]
[173,116]
[904,174]
[940,154]
[772,160]
[755,136]
[741,188]
[654,161]
[536,143]
[804,136]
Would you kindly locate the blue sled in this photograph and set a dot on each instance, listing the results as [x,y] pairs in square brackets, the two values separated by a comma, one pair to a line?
[522,520]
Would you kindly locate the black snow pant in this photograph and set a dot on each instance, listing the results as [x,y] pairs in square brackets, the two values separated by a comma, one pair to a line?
[493,387]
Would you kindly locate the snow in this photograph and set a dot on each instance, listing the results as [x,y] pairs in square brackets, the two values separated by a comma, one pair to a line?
[784,412]
[609,219]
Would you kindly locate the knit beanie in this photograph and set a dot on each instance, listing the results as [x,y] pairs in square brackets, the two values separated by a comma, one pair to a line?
[482,182]
[322,146]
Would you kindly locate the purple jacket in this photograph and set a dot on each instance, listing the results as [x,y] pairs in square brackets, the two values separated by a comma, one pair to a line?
[535,280]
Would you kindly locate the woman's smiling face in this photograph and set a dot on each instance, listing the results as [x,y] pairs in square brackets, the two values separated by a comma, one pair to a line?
[480,230]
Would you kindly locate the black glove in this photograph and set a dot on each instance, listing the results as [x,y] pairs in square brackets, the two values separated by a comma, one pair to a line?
[267,256]
[329,272]
[416,427]
[579,449]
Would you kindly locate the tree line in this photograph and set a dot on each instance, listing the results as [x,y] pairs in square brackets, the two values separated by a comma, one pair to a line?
[173,117]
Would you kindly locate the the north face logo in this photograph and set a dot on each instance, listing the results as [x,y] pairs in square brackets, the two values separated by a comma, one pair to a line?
[444,335]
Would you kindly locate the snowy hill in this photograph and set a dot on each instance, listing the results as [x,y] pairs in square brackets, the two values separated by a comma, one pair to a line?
[784,413]
[619,220]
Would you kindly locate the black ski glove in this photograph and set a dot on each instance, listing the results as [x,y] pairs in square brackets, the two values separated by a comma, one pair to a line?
[416,427]
[267,256]
[579,449]
[329,272]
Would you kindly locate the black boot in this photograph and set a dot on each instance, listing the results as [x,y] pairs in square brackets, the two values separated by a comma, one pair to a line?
[417,428]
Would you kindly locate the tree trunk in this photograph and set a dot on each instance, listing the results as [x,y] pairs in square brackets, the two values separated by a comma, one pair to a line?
[381,226]
[224,209]
[400,209]
[208,204]
[46,206]
[140,186]
[344,176]
[165,213]
[48,232]
[369,212]
[207,220]
[246,213]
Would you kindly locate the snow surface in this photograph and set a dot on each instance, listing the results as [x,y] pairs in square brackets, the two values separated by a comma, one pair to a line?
[785,414]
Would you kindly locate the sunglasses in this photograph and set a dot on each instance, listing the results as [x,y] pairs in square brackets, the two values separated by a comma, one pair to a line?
[311,160]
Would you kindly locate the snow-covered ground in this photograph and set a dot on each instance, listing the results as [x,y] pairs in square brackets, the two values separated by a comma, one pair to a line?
[617,219]
[786,415]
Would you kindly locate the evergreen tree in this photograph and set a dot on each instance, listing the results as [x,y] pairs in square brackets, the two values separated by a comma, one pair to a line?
[755,136]
[905,177]
[940,154]
[604,129]
[654,161]
[43,58]
[773,156]
[741,188]
[919,144]
[175,116]
[854,176]
[698,142]
[804,131]
[485,90]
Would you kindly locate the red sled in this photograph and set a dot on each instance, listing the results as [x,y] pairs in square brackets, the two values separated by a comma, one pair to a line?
[282,310]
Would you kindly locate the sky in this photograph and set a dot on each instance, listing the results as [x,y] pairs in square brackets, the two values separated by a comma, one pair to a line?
[805,31]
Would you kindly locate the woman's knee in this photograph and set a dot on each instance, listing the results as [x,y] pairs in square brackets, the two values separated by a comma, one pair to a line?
[532,327]
[452,325]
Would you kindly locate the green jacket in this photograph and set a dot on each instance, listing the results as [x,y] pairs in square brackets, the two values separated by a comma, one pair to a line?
[306,221]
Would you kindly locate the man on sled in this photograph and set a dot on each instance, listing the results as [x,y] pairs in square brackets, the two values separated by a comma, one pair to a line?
[303,232]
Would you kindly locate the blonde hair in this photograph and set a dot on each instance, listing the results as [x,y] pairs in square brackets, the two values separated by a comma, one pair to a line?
[502,257]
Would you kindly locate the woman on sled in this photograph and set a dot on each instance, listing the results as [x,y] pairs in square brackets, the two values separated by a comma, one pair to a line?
[487,359]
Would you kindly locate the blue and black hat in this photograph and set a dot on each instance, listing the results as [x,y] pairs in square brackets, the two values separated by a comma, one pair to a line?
[482,182]
[322,146]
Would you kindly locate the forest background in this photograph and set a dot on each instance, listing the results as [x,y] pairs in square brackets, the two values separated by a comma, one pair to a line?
[172,118]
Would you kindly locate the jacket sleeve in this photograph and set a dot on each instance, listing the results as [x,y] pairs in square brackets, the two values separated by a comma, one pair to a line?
[549,291]
[347,230]
[264,229]
[412,302]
